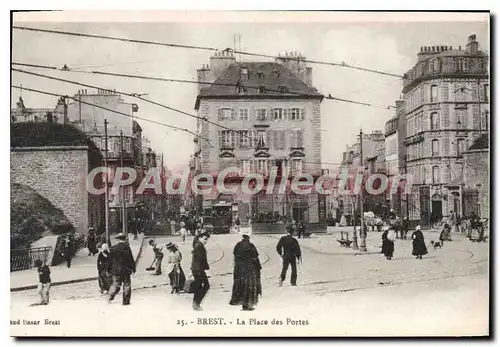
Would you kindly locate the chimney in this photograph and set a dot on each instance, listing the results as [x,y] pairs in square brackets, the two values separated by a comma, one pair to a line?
[204,76]
[309,76]
[220,61]
[472,46]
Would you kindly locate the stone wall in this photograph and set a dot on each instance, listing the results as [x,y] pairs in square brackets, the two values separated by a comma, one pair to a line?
[59,174]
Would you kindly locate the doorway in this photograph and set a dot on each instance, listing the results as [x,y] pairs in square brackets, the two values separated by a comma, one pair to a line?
[437,210]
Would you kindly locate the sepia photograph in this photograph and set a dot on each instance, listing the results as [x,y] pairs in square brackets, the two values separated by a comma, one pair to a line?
[250,173]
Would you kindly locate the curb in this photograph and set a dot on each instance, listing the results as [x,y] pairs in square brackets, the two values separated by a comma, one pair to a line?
[76,280]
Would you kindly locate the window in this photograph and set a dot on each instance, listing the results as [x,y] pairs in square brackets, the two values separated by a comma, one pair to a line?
[261,114]
[226,139]
[226,114]
[484,119]
[261,138]
[436,66]
[279,139]
[297,165]
[435,174]
[260,75]
[277,113]
[435,148]
[297,138]
[244,114]
[262,90]
[461,119]
[434,121]
[434,93]
[282,89]
[245,166]
[460,65]
[460,147]
[486,88]
[241,89]
[244,139]
[262,166]
[295,114]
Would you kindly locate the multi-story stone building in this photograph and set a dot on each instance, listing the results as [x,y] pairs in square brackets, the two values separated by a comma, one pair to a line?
[373,160]
[90,119]
[395,132]
[446,97]
[271,118]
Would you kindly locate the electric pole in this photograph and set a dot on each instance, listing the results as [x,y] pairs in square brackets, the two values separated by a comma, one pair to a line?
[106,197]
[362,234]
[354,236]
[122,191]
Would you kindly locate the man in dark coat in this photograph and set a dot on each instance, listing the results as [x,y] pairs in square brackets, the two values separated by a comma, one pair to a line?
[199,265]
[288,248]
[122,266]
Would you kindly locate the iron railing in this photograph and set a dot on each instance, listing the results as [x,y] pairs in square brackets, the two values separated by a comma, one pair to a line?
[23,259]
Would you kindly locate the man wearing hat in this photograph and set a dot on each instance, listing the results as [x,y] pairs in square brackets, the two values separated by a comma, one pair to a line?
[122,266]
[289,249]
[199,266]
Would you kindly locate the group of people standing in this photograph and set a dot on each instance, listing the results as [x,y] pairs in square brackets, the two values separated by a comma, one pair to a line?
[389,236]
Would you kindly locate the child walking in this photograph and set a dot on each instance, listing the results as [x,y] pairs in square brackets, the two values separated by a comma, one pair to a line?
[44,281]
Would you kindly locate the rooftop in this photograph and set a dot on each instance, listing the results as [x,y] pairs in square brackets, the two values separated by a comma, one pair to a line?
[43,134]
[481,142]
[244,80]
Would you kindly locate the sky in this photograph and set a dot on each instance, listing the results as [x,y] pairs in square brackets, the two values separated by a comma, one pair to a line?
[389,46]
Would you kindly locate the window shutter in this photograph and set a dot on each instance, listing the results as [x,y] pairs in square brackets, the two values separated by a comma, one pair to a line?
[219,138]
[302,114]
[268,139]
[219,113]
[237,139]
[446,149]
[299,138]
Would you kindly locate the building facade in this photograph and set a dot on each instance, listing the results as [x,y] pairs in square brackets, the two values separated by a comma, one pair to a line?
[82,113]
[271,119]
[446,96]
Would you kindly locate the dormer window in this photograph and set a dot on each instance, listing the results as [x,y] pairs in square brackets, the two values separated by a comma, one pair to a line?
[244,73]
[282,89]
[276,73]
[241,89]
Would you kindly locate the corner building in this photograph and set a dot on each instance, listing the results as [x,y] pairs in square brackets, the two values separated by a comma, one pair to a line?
[271,118]
[446,97]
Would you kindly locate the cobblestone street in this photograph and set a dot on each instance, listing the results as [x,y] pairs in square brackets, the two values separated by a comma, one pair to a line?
[331,282]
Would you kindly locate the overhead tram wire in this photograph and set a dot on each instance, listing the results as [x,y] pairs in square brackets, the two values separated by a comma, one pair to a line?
[110,110]
[160,79]
[213,49]
[159,104]
[113,38]
[128,94]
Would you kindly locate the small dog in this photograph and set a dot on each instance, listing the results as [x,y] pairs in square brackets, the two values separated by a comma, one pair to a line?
[437,244]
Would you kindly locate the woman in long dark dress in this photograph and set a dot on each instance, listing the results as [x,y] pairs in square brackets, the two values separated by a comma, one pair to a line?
[246,276]
[103,266]
[419,248]
[92,242]
[387,243]
[175,272]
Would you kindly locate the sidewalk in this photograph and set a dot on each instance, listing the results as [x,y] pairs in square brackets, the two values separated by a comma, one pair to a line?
[83,268]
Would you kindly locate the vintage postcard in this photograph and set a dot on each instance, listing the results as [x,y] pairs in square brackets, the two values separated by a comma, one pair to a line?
[183,174]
